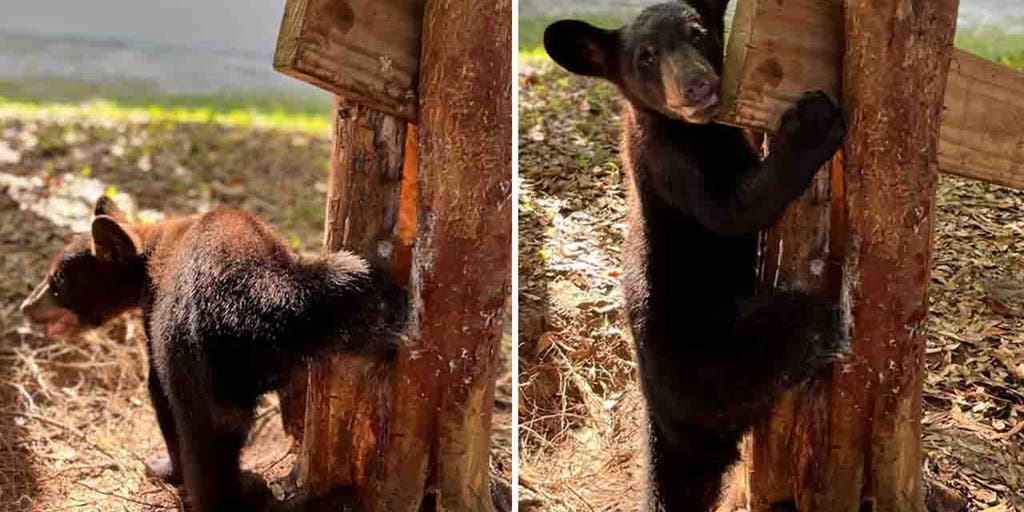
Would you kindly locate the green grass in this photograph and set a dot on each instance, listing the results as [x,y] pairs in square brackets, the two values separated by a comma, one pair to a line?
[164,110]
[132,98]
[993,44]
[531,30]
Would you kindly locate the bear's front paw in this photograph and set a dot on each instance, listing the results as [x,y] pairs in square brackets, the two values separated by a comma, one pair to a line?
[813,129]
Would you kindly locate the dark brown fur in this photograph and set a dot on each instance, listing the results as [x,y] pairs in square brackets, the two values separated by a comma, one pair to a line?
[713,357]
[229,314]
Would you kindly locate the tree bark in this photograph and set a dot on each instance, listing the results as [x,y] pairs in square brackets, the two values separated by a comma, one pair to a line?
[852,441]
[420,425]
[348,397]
[463,252]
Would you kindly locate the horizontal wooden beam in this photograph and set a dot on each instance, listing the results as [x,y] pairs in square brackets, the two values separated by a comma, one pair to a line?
[366,51]
[779,50]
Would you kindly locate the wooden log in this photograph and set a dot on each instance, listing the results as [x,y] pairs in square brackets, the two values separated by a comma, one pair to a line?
[367,51]
[852,441]
[349,398]
[463,251]
[778,50]
[421,424]
[896,65]
[797,253]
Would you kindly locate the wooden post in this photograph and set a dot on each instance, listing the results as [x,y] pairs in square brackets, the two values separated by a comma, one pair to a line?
[348,401]
[852,442]
[463,252]
[778,50]
[797,253]
[420,425]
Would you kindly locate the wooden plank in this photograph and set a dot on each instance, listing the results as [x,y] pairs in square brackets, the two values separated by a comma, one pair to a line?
[778,50]
[982,134]
[366,51]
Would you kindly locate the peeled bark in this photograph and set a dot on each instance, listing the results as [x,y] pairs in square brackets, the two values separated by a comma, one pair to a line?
[852,440]
[416,430]
[463,252]
[348,398]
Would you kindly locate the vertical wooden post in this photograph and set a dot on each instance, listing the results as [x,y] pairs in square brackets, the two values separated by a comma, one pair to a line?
[797,253]
[348,399]
[463,252]
[894,78]
[399,431]
[853,442]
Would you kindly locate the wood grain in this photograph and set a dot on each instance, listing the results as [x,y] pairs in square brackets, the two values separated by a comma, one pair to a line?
[463,262]
[366,51]
[851,441]
[778,50]
[348,405]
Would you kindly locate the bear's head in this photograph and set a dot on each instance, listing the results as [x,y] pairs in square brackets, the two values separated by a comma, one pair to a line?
[95,277]
[667,60]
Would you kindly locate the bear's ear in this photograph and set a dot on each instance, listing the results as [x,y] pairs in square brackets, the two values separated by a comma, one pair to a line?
[580,47]
[106,206]
[711,10]
[113,241]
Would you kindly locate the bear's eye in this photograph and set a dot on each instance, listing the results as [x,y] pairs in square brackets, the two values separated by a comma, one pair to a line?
[53,286]
[646,58]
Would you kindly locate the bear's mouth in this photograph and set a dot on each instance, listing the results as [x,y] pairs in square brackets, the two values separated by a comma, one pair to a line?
[691,87]
[41,308]
[63,326]
[698,113]
[701,113]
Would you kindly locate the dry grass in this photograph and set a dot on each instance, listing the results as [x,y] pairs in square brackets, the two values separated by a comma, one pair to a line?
[580,412]
[75,417]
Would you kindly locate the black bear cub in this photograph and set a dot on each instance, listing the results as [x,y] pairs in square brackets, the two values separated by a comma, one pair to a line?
[229,314]
[713,356]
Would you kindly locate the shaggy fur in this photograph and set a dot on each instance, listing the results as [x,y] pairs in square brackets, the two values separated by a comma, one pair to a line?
[713,357]
[229,314]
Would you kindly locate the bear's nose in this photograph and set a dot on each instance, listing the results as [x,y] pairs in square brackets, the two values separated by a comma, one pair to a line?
[699,88]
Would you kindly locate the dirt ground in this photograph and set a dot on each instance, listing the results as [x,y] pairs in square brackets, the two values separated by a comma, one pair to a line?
[75,419]
[580,411]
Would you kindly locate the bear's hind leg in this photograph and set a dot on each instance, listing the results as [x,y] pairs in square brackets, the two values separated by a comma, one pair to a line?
[210,451]
[211,433]
[686,468]
[797,334]
[774,343]
[166,468]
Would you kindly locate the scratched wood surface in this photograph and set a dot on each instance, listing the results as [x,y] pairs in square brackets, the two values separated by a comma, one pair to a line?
[366,51]
[348,403]
[778,50]
[435,198]
[851,440]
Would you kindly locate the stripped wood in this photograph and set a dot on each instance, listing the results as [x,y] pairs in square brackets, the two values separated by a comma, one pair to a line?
[463,251]
[413,433]
[851,440]
[366,51]
[779,50]
[348,405]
